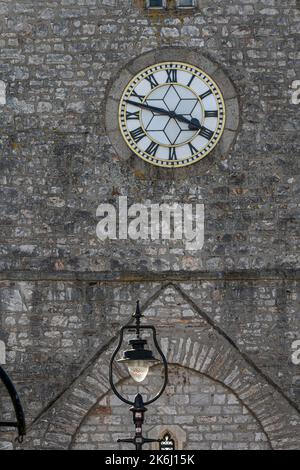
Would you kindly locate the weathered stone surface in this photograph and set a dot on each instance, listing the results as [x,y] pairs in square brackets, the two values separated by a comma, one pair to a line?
[64,294]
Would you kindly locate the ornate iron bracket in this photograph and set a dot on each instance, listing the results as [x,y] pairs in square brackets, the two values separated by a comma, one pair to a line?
[20,424]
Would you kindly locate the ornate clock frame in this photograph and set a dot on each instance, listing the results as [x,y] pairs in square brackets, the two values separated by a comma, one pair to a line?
[193,57]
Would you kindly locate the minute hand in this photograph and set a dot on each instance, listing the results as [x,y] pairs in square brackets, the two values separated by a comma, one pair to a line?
[194,124]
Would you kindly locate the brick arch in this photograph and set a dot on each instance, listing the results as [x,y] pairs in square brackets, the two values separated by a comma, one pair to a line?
[198,345]
[104,407]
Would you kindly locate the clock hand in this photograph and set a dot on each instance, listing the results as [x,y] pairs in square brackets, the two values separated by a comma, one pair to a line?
[150,108]
[194,124]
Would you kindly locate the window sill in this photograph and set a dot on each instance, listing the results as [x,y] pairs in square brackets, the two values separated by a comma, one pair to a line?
[192,7]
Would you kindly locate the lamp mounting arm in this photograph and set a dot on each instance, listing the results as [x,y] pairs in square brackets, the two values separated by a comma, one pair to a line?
[20,423]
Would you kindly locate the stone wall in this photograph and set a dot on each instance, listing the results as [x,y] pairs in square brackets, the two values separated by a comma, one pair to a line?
[63,293]
[57,165]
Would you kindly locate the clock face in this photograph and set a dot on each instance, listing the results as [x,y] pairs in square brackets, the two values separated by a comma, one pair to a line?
[172,114]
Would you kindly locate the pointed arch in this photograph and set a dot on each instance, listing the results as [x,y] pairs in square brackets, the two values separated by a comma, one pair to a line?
[199,345]
[104,407]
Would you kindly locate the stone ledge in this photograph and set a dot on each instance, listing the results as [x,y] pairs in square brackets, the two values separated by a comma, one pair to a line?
[133,276]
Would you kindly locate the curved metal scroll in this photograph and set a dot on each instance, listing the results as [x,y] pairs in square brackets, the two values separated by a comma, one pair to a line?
[164,361]
[111,379]
[20,424]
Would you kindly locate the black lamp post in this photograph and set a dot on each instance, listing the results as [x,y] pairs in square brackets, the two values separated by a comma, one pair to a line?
[138,360]
[20,418]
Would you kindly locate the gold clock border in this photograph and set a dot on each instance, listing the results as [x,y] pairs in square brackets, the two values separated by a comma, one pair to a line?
[196,157]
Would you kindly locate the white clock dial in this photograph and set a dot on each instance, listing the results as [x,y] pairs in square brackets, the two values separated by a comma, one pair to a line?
[172,114]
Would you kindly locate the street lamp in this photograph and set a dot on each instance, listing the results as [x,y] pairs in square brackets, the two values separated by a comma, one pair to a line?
[138,360]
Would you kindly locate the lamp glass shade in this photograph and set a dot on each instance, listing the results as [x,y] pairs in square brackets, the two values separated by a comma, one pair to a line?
[138,360]
[138,369]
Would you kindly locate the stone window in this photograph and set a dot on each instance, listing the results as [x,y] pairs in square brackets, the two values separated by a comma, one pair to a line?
[181,4]
[166,442]
[156,4]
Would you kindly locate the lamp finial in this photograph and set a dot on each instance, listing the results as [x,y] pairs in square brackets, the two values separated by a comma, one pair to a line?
[137,315]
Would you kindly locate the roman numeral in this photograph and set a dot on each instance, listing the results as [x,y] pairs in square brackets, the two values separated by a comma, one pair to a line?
[172,76]
[136,95]
[204,95]
[172,153]
[192,148]
[211,114]
[152,149]
[152,80]
[191,80]
[132,116]
[138,134]
[206,133]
